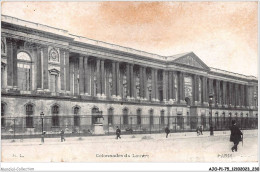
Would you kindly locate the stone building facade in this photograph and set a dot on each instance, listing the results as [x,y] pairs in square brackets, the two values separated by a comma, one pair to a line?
[45,69]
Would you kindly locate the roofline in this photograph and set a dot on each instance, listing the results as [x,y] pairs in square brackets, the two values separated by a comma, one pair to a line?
[85,40]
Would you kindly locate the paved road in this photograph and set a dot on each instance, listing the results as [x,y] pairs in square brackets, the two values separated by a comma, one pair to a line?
[179,147]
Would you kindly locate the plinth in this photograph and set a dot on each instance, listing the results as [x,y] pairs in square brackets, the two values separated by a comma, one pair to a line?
[98,129]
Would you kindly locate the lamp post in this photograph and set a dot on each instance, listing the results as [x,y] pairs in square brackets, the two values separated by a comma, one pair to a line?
[42,115]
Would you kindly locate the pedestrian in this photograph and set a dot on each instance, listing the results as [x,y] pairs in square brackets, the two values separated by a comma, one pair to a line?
[211,130]
[200,130]
[42,137]
[62,136]
[118,132]
[167,131]
[235,136]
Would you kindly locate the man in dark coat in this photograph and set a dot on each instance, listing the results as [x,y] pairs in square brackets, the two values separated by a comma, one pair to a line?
[235,136]
[62,136]
[118,132]
[167,131]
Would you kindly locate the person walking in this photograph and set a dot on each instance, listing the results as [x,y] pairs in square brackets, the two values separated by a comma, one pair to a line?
[62,139]
[200,129]
[235,136]
[118,132]
[211,129]
[167,131]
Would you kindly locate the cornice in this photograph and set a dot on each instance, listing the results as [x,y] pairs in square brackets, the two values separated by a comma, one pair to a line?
[29,31]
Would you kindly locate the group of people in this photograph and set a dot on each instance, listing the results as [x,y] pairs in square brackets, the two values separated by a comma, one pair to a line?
[235,137]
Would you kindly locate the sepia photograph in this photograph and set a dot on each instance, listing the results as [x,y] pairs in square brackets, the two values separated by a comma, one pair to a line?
[135,82]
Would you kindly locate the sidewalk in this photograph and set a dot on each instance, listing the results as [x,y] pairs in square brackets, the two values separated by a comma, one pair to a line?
[125,138]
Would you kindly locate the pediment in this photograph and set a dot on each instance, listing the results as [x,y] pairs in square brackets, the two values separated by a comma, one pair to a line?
[192,60]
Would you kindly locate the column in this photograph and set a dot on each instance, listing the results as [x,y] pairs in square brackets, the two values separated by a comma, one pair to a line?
[164,86]
[246,96]
[102,78]
[236,95]
[98,77]
[156,85]
[230,94]
[9,43]
[46,72]
[128,80]
[86,76]
[224,87]
[39,69]
[118,80]
[62,70]
[193,89]
[197,88]
[67,71]
[173,87]
[132,80]
[242,95]
[206,91]
[179,87]
[182,88]
[15,77]
[170,86]
[76,69]
[218,92]
[141,82]
[92,73]
[113,79]
[145,83]
[153,84]
[81,77]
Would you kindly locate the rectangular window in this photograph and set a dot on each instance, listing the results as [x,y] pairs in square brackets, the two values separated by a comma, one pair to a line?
[125,119]
[151,119]
[162,119]
[139,119]
[76,120]
[180,121]
[29,122]
[110,119]
[55,121]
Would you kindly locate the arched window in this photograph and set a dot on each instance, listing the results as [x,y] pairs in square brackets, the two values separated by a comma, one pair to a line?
[29,116]
[76,116]
[151,116]
[125,116]
[139,120]
[24,71]
[162,117]
[55,116]
[3,111]
[110,116]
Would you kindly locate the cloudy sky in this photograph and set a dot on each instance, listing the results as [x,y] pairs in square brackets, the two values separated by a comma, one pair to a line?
[222,34]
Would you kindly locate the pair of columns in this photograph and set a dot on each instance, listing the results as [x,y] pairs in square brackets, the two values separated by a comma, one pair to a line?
[41,63]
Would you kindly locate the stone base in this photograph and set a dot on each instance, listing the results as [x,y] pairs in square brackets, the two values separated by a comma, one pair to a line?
[205,104]
[98,129]
[182,102]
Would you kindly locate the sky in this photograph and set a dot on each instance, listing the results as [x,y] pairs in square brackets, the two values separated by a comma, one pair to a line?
[222,34]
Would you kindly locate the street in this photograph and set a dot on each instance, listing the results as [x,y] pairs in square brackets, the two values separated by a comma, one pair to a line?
[179,147]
